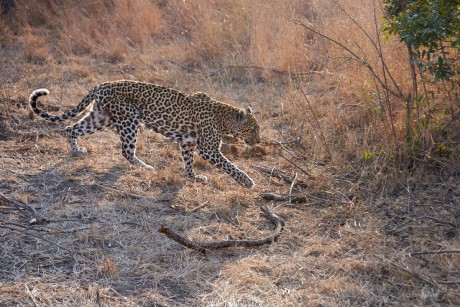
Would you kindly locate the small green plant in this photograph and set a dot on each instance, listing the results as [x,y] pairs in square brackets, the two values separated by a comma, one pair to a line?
[368,155]
[430,29]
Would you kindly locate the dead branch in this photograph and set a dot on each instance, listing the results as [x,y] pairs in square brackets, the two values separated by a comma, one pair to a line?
[200,206]
[132,195]
[291,187]
[24,231]
[437,221]
[424,279]
[204,247]
[449,282]
[279,174]
[452,251]
[289,160]
[313,113]
[292,199]
[397,93]
[34,218]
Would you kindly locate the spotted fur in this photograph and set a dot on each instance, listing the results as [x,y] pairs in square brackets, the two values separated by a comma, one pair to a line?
[194,121]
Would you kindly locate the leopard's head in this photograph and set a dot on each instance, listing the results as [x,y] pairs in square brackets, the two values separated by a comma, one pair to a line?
[244,125]
[247,127]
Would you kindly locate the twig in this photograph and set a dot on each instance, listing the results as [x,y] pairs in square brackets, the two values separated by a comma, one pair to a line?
[204,247]
[199,206]
[454,118]
[400,227]
[446,251]
[98,298]
[291,187]
[290,161]
[355,57]
[449,282]
[376,43]
[418,276]
[132,195]
[296,165]
[279,174]
[47,229]
[21,205]
[38,237]
[313,113]
[295,199]
[438,221]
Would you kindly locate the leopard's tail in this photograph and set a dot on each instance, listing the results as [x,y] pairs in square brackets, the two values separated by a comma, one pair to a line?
[72,113]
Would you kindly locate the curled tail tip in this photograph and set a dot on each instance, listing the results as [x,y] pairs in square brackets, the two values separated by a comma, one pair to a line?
[33,101]
[40,92]
[37,93]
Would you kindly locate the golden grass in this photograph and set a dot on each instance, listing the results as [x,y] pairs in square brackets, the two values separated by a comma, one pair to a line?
[350,244]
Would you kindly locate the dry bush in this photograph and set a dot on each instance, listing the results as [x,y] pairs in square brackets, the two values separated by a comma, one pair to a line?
[350,113]
[105,28]
[241,33]
[35,49]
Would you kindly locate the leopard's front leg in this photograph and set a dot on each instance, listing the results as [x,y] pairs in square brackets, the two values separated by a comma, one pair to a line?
[212,154]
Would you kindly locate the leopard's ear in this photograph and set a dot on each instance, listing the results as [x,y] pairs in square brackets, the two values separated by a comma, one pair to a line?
[241,117]
[249,110]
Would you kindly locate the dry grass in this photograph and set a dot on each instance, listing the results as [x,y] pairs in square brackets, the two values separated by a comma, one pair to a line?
[350,244]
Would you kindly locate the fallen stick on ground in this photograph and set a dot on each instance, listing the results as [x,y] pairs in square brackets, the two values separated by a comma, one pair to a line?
[25,232]
[292,199]
[452,251]
[279,174]
[424,279]
[34,218]
[132,195]
[204,247]
[200,206]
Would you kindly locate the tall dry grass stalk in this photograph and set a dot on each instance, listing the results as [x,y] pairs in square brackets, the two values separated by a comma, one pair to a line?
[100,28]
[221,33]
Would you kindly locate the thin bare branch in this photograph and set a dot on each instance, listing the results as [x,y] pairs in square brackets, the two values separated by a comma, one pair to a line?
[291,187]
[321,134]
[376,46]
[200,206]
[280,198]
[36,236]
[355,57]
[20,205]
[447,251]
[437,220]
[135,196]
[415,274]
[279,174]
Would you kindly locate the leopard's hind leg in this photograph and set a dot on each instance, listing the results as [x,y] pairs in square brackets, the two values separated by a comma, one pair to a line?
[96,120]
[127,121]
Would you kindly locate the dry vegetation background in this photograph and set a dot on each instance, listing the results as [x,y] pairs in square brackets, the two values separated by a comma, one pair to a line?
[370,214]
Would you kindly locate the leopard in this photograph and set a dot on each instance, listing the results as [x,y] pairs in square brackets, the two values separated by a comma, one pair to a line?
[196,122]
